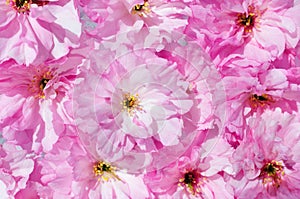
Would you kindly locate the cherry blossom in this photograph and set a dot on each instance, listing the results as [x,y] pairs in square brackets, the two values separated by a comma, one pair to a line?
[41,101]
[267,159]
[33,31]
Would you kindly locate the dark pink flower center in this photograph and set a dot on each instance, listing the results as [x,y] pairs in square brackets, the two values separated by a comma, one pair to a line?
[262,101]
[271,173]
[23,6]
[39,82]
[247,20]
[43,83]
[192,181]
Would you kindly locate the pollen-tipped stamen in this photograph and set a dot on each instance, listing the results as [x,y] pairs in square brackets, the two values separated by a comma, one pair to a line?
[272,173]
[40,81]
[131,103]
[247,20]
[141,9]
[104,171]
[192,181]
[262,101]
[23,6]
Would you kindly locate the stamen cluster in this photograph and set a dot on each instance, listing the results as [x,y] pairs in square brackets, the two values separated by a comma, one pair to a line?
[39,82]
[272,173]
[105,171]
[192,181]
[141,9]
[131,103]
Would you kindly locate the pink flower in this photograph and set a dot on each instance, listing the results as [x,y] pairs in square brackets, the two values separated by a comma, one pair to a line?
[121,15]
[37,101]
[146,103]
[267,161]
[37,30]
[94,177]
[246,31]
[15,168]
[198,175]
[247,95]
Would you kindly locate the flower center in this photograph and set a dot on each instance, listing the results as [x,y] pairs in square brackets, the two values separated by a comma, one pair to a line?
[40,81]
[260,100]
[247,20]
[192,181]
[23,6]
[131,103]
[272,172]
[105,171]
[141,9]
[43,83]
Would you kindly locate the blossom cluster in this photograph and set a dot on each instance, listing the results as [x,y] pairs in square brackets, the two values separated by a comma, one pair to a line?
[143,99]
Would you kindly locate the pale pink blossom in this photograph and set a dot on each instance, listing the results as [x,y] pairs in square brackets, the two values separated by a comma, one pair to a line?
[37,101]
[140,104]
[33,30]
[93,177]
[195,175]
[246,31]
[248,95]
[107,18]
[267,160]
[145,103]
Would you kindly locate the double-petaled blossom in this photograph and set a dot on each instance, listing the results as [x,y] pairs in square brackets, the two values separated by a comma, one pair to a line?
[94,177]
[36,101]
[33,30]
[267,160]
[146,103]
[248,95]
[245,31]
[198,174]
[122,15]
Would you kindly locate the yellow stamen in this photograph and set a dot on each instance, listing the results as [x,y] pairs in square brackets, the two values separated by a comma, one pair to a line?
[141,9]
[191,181]
[131,103]
[40,81]
[248,20]
[272,172]
[105,171]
